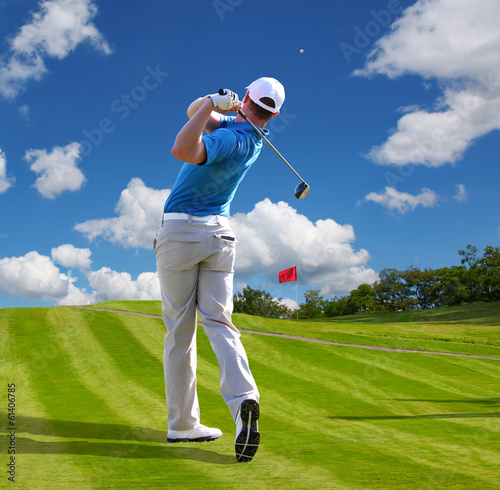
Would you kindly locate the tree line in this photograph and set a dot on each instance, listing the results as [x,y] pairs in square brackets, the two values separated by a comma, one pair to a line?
[476,279]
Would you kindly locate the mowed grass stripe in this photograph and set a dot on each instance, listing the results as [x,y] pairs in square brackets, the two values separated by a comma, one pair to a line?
[433,370]
[422,338]
[148,334]
[360,382]
[125,396]
[38,345]
[141,338]
[7,316]
[148,307]
[298,425]
[332,417]
[467,329]
[32,430]
[367,386]
[213,407]
[298,369]
[55,387]
[144,414]
[297,413]
[113,333]
[214,410]
[351,454]
[329,375]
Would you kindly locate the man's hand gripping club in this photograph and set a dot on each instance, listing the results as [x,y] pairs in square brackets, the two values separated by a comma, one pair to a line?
[226,101]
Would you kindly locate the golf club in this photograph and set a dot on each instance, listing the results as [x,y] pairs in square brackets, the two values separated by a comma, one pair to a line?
[302,189]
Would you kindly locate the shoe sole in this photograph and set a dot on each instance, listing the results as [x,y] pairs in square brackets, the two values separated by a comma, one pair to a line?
[247,441]
[199,439]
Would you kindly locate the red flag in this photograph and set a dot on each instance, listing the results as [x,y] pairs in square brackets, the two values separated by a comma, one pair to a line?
[288,275]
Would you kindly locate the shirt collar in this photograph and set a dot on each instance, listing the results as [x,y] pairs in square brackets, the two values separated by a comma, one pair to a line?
[243,125]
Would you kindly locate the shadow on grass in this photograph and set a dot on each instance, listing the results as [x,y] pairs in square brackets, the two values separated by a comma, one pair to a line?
[119,441]
[138,450]
[426,416]
[479,401]
[482,401]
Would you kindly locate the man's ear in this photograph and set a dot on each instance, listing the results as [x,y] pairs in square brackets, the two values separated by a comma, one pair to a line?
[246,98]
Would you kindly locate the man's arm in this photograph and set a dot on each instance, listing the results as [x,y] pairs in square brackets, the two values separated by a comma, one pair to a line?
[189,146]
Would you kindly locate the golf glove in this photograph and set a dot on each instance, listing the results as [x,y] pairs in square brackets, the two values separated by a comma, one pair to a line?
[225,100]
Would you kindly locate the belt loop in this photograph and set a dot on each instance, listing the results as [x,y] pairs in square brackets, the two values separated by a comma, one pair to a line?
[190,219]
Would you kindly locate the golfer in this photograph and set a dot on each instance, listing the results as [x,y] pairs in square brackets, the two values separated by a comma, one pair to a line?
[195,252]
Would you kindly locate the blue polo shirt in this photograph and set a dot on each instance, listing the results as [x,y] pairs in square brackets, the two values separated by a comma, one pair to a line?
[209,188]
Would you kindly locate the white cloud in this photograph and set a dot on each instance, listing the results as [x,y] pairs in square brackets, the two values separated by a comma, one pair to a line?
[24,110]
[5,182]
[16,71]
[436,138]
[58,169]
[461,194]
[446,39]
[271,238]
[54,31]
[274,237]
[76,296]
[139,209]
[458,43]
[290,303]
[111,285]
[402,202]
[69,256]
[34,277]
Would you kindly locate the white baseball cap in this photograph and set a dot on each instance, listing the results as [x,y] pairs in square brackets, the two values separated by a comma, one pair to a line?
[267,87]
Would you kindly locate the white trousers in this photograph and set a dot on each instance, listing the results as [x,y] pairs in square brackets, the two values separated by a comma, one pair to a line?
[195,266]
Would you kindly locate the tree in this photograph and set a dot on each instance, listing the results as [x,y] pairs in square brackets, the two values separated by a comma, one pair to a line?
[423,286]
[335,307]
[314,306]
[488,268]
[361,300]
[392,292]
[471,279]
[454,287]
[483,272]
[261,303]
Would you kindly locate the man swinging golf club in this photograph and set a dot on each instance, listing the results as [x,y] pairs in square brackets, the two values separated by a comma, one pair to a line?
[195,252]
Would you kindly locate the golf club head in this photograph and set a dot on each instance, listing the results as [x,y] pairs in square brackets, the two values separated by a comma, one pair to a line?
[301,190]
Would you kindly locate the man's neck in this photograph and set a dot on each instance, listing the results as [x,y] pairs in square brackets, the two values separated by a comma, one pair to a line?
[257,121]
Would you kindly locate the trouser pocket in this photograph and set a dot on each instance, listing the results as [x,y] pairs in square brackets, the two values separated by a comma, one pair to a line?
[178,251]
[223,252]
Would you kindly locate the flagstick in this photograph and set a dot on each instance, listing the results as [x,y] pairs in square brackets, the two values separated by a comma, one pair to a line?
[296,296]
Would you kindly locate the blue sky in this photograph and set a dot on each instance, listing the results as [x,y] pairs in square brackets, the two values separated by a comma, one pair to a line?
[391,116]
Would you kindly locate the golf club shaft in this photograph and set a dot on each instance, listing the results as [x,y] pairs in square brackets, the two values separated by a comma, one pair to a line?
[244,116]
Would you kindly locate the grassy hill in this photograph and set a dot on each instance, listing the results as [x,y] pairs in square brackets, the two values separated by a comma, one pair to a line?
[469,329]
[90,410]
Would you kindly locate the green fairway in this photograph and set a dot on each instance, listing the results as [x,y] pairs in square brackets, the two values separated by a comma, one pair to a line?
[470,329]
[90,409]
